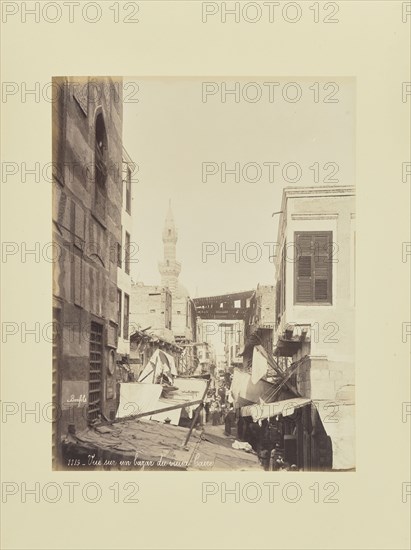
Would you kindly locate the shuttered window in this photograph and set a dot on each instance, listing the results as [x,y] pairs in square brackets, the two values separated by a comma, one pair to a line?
[119,250]
[284,272]
[281,286]
[128,191]
[119,313]
[313,269]
[127,254]
[126,315]
[277,302]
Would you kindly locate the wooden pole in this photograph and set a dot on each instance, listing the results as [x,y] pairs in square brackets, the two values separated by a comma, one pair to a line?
[146,376]
[196,414]
[149,413]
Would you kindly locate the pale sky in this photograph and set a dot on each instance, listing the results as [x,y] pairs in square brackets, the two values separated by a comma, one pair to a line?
[171,132]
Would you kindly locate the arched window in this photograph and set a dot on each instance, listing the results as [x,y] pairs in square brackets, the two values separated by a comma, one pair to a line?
[100,164]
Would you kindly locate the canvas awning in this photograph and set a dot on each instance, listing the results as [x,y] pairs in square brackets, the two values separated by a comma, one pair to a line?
[260,411]
[160,362]
[245,392]
[138,398]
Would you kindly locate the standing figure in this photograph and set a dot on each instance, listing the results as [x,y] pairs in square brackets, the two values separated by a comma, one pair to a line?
[229,420]
[215,412]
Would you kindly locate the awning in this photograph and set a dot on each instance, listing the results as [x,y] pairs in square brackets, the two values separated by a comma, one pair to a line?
[244,391]
[268,410]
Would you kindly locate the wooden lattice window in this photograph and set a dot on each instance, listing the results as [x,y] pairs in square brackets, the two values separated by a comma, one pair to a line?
[96,368]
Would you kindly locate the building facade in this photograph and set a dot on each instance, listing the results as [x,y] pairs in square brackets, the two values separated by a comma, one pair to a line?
[206,358]
[87,204]
[261,315]
[233,338]
[151,309]
[315,305]
[124,254]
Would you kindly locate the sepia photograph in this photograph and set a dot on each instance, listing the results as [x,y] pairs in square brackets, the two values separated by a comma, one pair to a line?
[204,273]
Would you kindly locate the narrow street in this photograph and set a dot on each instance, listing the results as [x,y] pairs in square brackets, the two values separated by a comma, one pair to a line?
[134,347]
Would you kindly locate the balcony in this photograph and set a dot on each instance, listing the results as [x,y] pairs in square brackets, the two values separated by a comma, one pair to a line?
[291,339]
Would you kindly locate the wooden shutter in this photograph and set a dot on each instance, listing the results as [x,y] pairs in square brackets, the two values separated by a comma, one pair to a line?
[126,315]
[280,287]
[313,269]
[304,268]
[322,267]
[127,254]
[128,191]
[277,302]
[119,313]
[283,282]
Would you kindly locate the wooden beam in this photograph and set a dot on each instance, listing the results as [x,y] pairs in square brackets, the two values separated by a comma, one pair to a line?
[149,413]
[197,413]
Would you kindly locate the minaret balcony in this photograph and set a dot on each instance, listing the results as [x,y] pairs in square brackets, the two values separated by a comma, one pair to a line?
[172,267]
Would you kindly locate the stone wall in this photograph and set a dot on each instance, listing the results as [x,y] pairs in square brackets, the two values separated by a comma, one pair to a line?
[85,276]
[319,378]
[266,304]
[330,384]
[151,307]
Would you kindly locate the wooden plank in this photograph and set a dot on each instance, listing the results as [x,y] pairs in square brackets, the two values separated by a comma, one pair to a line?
[149,413]
[197,412]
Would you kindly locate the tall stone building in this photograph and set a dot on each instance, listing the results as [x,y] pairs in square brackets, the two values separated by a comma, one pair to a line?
[123,263]
[184,316]
[315,314]
[169,268]
[87,203]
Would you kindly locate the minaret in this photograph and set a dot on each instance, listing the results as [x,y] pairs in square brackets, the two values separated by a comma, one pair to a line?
[169,268]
